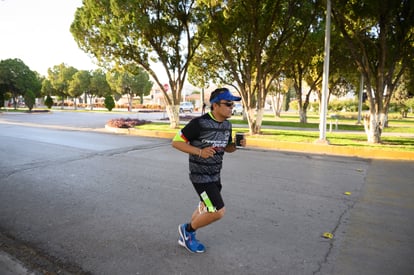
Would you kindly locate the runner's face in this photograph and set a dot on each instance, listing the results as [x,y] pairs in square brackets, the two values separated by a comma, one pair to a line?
[223,109]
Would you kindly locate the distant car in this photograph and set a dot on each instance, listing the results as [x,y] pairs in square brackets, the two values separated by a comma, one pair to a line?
[237,109]
[186,107]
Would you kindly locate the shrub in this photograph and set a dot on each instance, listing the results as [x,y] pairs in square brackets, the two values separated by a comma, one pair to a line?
[348,105]
[293,105]
[49,102]
[126,122]
[314,106]
[29,99]
[109,102]
[410,104]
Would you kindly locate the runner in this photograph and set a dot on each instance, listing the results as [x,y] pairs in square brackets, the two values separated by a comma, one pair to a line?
[205,139]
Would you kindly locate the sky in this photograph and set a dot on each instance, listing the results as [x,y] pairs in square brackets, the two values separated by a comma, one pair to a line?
[38,33]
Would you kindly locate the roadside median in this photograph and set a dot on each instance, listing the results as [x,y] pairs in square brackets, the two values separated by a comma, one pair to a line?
[314,148]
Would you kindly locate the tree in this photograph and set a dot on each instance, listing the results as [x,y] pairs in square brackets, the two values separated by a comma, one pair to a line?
[306,60]
[16,78]
[60,77]
[49,101]
[143,32]
[124,82]
[2,98]
[98,87]
[278,92]
[109,102]
[142,83]
[48,90]
[380,36]
[198,76]
[246,47]
[79,84]
[29,99]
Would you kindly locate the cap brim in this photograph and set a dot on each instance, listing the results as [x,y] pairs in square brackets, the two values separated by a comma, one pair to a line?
[234,98]
[226,96]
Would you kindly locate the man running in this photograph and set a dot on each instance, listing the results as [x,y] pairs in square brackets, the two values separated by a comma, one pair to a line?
[205,139]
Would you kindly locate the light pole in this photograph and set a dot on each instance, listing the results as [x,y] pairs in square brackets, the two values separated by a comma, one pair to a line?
[324,105]
[361,91]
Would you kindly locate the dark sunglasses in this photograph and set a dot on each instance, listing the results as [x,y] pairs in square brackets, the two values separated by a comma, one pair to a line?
[228,104]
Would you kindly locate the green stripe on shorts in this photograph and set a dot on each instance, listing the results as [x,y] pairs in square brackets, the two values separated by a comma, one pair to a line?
[207,202]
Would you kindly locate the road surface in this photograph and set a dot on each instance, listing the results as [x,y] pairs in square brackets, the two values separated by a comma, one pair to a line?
[90,202]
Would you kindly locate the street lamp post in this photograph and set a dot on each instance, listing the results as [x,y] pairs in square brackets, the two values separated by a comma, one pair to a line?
[324,104]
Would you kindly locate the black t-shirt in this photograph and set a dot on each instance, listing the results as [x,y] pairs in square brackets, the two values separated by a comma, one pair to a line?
[205,131]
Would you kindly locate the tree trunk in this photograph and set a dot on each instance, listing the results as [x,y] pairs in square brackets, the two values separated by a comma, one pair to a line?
[90,101]
[15,103]
[302,115]
[254,121]
[384,120]
[373,128]
[259,118]
[174,116]
[277,101]
[130,98]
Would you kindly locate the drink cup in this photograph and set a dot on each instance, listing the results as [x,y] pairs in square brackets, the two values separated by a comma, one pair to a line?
[239,137]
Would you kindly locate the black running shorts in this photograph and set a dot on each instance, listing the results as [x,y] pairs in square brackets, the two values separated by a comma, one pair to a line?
[210,195]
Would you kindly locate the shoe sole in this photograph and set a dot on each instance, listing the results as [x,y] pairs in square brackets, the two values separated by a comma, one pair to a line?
[182,242]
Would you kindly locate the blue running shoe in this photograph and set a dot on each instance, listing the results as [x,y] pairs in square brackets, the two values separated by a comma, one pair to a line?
[200,248]
[189,241]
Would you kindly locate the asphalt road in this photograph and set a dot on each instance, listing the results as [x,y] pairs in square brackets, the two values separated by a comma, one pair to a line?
[78,202]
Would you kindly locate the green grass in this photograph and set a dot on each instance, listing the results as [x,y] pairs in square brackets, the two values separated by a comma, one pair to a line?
[308,133]
[338,139]
[157,126]
[405,125]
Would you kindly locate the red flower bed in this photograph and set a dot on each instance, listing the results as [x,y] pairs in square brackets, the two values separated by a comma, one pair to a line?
[126,122]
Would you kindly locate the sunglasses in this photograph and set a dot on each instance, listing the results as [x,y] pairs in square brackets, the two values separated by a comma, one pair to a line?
[228,104]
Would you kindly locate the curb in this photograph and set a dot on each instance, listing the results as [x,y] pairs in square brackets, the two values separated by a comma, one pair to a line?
[368,153]
[315,148]
[137,132]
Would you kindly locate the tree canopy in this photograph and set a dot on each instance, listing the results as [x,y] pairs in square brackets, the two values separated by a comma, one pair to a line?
[143,32]
[16,79]
[251,44]
[79,84]
[130,81]
[60,77]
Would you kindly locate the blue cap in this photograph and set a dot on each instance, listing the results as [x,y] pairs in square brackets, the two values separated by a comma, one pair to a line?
[222,94]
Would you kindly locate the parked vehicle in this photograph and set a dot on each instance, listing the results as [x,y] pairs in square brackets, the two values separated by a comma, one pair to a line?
[186,107]
[237,109]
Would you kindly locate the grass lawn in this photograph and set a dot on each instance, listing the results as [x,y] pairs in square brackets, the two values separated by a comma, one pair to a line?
[287,128]
[308,133]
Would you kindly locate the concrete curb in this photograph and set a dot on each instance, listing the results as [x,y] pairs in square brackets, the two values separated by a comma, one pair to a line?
[137,132]
[314,148]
